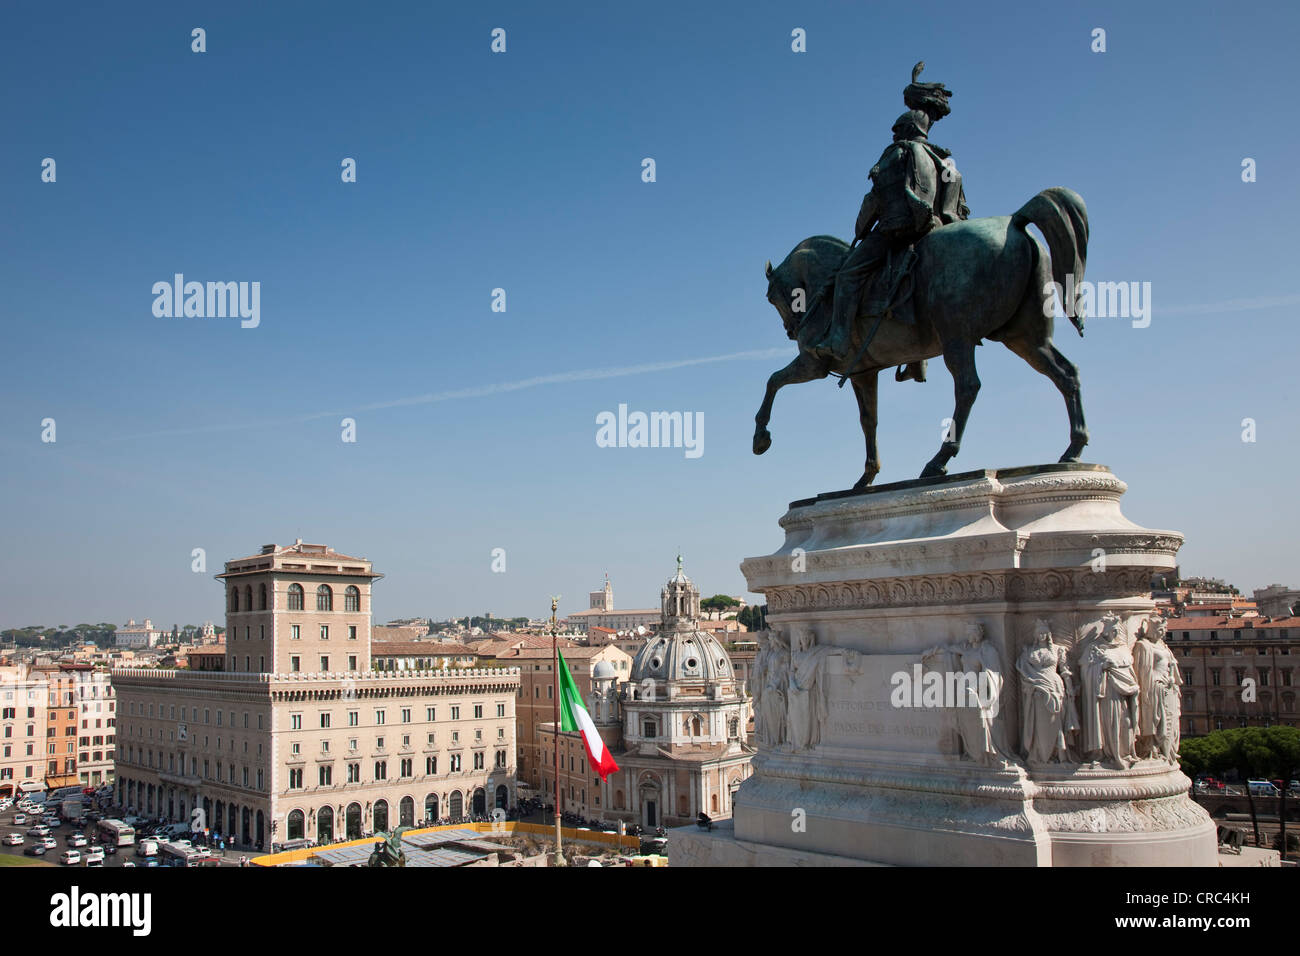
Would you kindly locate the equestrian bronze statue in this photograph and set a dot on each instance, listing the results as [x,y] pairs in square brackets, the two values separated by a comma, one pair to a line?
[921,280]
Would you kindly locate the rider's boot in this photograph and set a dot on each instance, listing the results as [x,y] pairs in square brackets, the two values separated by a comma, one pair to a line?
[912,370]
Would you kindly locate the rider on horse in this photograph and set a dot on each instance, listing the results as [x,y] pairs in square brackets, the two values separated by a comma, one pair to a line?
[915,188]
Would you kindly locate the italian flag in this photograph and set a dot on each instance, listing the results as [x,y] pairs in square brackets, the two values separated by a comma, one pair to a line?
[573,716]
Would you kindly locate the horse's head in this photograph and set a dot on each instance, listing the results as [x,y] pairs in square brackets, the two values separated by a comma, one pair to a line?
[792,285]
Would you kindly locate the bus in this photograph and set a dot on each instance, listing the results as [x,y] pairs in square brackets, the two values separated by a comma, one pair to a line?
[115,832]
[180,854]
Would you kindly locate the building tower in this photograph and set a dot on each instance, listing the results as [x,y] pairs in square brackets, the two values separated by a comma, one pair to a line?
[302,608]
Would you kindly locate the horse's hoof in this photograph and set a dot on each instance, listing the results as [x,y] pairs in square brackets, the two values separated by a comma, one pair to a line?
[762,441]
[933,471]
[1072,454]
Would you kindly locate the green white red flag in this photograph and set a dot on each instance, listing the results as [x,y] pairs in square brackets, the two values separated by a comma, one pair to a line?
[574,716]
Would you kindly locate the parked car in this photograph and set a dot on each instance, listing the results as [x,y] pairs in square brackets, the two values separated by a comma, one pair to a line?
[77,840]
[70,857]
[13,839]
[95,856]
[34,850]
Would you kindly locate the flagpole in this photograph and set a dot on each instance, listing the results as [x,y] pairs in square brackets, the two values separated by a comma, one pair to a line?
[555,740]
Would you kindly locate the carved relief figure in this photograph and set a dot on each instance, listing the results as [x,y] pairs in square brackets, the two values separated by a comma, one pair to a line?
[1047,713]
[1160,697]
[772,674]
[806,704]
[1110,697]
[979,724]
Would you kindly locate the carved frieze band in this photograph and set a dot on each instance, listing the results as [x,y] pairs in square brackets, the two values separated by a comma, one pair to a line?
[971,588]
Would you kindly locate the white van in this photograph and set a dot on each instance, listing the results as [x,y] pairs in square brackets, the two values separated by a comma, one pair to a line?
[146,848]
[1263,788]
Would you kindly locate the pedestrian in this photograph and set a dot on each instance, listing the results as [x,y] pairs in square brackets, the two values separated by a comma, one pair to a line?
[243,861]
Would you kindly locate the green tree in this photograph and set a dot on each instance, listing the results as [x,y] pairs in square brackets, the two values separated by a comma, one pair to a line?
[1283,744]
[754,618]
[719,603]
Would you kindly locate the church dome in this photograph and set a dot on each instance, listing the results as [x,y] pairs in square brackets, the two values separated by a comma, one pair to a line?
[603,670]
[682,655]
[680,651]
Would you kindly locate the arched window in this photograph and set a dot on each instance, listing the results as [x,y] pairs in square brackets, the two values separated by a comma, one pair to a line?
[618,799]
[406,812]
[248,597]
[352,598]
[295,597]
[296,825]
[431,807]
[695,727]
[324,598]
[261,601]
[381,816]
[234,599]
[713,803]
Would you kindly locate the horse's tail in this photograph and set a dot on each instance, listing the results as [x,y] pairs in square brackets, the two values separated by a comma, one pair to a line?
[1062,218]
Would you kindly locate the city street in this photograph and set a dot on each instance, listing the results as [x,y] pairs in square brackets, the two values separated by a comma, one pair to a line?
[61,834]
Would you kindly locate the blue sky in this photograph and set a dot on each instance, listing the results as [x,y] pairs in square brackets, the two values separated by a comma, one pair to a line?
[522,171]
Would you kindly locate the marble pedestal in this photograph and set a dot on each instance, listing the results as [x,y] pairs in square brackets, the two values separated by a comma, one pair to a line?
[864,585]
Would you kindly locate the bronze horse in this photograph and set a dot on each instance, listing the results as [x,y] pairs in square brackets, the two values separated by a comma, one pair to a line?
[972,280]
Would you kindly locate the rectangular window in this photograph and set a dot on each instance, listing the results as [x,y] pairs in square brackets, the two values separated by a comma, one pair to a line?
[295,721]
[353,718]
[430,714]
[352,632]
[295,632]
[352,662]
[324,663]
[406,715]
[294,664]
[379,717]
[501,710]
[379,743]
[455,712]
[478,711]
[324,632]
[324,721]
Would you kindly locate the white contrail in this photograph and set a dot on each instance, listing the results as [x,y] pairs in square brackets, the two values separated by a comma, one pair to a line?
[479,391]
[1233,305]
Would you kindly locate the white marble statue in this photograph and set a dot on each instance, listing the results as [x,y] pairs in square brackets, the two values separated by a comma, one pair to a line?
[1048,718]
[979,722]
[806,702]
[772,667]
[1160,697]
[1110,697]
